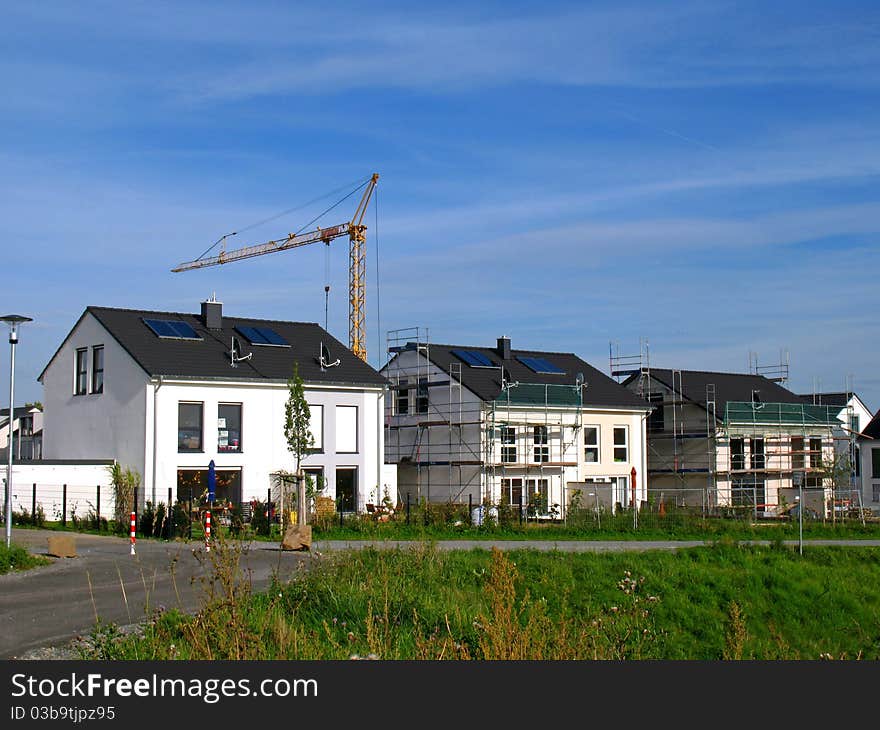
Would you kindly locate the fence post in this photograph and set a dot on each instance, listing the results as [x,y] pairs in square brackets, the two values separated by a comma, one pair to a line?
[189,514]
[520,508]
[134,506]
[34,504]
[208,531]
[339,510]
[470,507]
[407,508]
[269,509]
[98,505]
[64,505]
[169,515]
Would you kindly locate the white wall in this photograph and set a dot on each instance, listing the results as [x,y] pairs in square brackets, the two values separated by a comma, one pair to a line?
[264,449]
[869,481]
[108,425]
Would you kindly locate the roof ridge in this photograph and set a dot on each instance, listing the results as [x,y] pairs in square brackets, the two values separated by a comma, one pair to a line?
[718,372]
[130,310]
[495,350]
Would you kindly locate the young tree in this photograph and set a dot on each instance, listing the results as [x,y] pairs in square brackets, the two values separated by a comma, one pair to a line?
[298,434]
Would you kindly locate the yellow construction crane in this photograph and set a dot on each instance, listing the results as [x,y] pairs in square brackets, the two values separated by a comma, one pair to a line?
[357,235]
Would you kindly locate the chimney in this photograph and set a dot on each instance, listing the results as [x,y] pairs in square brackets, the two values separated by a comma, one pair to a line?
[212,313]
[503,348]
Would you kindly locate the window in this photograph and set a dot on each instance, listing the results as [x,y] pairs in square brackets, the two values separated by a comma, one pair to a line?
[875,463]
[854,422]
[591,444]
[402,408]
[757,459]
[346,429]
[82,371]
[875,492]
[422,396]
[98,369]
[511,490]
[192,483]
[538,496]
[346,488]
[621,447]
[316,474]
[857,461]
[508,452]
[542,450]
[797,452]
[189,426]
[737,453]
[229,427]
[316,426]
[816,452]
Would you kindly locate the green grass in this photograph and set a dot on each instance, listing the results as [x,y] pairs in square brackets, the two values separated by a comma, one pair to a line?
[724,601]
[18,558]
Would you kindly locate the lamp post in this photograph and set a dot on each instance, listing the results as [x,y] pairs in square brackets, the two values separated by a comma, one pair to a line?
[598,515]
[13,320]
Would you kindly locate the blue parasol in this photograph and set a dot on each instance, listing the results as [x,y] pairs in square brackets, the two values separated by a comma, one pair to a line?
[212,482]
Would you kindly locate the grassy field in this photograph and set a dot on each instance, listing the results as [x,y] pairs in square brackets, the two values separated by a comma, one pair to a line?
[17,558]
[722,602]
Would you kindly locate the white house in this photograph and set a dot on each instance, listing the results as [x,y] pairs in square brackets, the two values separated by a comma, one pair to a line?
[511,426]
[168,392]
[853,415]
[26,429]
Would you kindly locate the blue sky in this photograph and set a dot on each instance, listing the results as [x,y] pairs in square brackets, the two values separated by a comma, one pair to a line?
[703,175]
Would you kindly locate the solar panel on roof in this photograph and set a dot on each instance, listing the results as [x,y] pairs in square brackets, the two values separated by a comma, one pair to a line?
[540,365]
[263,336]
[172,329]
[473,358]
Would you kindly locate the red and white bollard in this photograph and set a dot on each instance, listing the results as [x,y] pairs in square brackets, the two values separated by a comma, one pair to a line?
[133,527]
[207,532]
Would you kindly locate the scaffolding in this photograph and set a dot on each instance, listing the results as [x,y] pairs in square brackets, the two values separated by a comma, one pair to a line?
[782,444]
[454,443]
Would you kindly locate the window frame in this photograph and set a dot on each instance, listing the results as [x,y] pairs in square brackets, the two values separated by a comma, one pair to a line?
[798,460]
[422,397]
[81,376]
[541,444]
[201,448]
[318,448]
[815,458]
[738,459]
[356,429]
[96,387]
[240,428]
[402,399]
[875,463]
[508,444]
[625,446]
[597,446]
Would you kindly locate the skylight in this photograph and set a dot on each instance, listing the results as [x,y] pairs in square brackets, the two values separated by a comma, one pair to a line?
[540,365]
[263,336]
[172,329]
[473,358]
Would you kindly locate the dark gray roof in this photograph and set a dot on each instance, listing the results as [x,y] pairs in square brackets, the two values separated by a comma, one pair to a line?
[486,382]
[728,387]
[209,357]
[826,399]
[872,430]
[19,411]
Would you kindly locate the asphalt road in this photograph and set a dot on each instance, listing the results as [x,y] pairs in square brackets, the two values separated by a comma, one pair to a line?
[49,606]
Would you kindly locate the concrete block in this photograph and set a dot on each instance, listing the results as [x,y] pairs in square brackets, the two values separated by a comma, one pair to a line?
[62,546]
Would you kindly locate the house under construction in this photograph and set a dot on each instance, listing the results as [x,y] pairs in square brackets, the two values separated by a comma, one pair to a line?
[493,424]
[720,439]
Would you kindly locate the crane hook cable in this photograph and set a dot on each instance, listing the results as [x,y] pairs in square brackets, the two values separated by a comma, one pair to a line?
[360,183]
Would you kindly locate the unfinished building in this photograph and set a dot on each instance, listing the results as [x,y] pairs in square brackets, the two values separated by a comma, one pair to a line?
[720,439]
[492,424]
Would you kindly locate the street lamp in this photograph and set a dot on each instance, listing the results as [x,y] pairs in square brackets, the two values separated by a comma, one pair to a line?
[598,515]
[13,320]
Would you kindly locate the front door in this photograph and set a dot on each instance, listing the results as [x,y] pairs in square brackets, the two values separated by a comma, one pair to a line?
[346,489]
